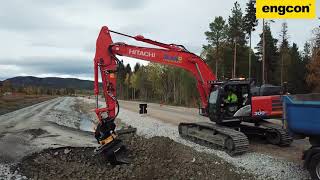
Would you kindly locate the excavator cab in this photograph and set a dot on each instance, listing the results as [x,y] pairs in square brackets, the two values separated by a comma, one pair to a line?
[226,99]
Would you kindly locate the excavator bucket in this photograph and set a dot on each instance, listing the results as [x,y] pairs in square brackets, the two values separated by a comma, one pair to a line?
[114,152]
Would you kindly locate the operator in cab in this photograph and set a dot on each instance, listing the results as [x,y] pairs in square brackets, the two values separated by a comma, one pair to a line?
[231,97]
[231,101]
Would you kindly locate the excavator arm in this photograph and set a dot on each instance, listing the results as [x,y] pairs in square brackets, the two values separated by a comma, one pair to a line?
[106,62]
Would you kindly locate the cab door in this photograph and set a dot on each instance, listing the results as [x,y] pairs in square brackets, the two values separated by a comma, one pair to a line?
[214,105]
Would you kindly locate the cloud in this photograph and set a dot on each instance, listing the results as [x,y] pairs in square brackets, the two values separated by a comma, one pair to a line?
[27,16]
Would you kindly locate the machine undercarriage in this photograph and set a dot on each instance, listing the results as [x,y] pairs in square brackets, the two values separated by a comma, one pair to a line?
[233,139]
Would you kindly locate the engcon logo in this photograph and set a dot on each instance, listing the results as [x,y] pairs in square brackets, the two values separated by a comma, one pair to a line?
[286,9]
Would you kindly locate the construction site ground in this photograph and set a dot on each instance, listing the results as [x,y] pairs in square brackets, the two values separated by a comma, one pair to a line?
[54,140]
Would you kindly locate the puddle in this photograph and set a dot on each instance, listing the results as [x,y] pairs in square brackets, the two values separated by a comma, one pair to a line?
[120,124]
[86,124]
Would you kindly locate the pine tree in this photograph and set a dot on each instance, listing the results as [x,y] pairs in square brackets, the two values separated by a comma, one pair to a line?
[236,32]
[121,75]
[250,22]
[216,36]
[128,69]
[284,53]
[271,56]
[306,52]
[136,67]
[296,72]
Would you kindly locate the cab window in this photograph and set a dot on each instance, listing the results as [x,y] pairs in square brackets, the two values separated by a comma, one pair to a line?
[213,97]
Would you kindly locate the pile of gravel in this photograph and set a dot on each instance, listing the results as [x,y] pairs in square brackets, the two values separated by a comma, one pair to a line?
[154,158]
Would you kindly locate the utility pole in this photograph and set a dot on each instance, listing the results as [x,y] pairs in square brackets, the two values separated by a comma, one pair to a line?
[250,59]
[235,59]
[263,53]
[218,57]
[282,69]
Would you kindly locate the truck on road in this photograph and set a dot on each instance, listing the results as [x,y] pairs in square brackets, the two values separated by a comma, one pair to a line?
[302,117]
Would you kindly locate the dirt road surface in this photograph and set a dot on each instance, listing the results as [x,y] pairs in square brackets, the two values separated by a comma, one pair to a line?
[169,114]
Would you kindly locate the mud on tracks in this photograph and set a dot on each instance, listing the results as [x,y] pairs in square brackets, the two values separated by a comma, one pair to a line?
[155,158]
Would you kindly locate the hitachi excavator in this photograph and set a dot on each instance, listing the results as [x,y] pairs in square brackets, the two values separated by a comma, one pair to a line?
[231,122]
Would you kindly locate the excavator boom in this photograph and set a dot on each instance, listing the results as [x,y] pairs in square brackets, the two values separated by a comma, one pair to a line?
[169,54]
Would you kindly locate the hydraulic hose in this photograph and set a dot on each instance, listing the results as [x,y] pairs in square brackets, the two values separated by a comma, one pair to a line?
[118,106]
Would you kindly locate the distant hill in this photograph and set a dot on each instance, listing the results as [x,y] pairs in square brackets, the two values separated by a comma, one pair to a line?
[51,82]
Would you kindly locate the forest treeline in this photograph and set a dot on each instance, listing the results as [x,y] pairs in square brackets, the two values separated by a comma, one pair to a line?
[230,53]
[8,87]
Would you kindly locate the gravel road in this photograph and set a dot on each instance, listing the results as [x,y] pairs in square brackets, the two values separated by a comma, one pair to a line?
[169,114]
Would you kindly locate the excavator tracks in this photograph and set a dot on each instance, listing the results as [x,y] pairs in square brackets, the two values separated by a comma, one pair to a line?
[275,134]
[215,136]
[278,137]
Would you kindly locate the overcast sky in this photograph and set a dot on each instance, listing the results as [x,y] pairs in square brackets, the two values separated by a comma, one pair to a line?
[57,37]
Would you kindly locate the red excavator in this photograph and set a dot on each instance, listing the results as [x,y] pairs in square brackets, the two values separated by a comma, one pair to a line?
[232,121]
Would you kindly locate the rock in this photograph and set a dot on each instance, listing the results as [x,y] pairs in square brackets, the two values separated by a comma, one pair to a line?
[66,151]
